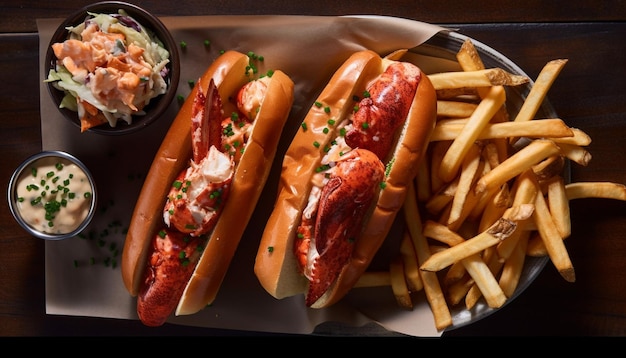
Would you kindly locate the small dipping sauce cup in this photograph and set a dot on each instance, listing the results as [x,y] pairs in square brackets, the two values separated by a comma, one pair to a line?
[52,195]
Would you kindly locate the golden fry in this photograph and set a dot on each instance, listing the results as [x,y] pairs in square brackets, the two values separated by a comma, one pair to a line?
[432,288]
[479,78]
[524,159]
[549,167]
[455,273]
[483,200]
[373,279]
[497,232]
[459,289]
[465,94]
[469,169]
[422,181]
[495,208]
[454,109]
[475,293]
[512,269]
[579,138]
[558,205]
[541,128]
[492,155]
[539,90]
[552,239]
[605,190]
[468,57]
[575,153]
[398,283]
[453,157]
[438,150]
[441,233]
[536,247]
[411,267]
[484,279]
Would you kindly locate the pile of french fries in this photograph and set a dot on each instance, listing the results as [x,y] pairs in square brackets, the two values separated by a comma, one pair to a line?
[489,194]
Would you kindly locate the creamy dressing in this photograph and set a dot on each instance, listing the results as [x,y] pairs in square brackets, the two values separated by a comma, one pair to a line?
[65,185]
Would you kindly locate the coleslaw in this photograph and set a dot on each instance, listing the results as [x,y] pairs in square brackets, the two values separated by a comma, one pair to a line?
[110,67]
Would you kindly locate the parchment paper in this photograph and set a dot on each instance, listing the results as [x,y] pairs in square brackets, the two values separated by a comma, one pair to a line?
[308,49]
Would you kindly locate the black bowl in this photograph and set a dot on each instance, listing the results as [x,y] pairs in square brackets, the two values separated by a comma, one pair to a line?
[151,23]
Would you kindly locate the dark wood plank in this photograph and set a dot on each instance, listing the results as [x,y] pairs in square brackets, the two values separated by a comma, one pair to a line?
[20,16]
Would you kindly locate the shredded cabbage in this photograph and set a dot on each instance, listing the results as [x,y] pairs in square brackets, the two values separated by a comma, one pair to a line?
[76,88]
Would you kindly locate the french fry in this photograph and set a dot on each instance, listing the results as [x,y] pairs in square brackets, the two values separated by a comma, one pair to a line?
[525,193]
[552,239]
[492,155]
[467,94]
[579,138]
[513,266]
[438,150]
[469,169]
[539,90]
[453,157]
[373,279]
[468,58]
[541,128]
[457,290]
[398,283]
[475,292]
[496,233]
[470,203]
[549,167]
[536,247]
[410,265]
[484,280]
[432,288]
[558,205]
[454,109]
[422,182]
[479,78]
[441,233]
[495,208]
[484,199]
[606,190]
[575,153]
[455,273]
[506,247]
[525,158]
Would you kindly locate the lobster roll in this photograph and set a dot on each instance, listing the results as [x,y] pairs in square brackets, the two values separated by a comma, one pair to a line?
[203,186]
[345,177]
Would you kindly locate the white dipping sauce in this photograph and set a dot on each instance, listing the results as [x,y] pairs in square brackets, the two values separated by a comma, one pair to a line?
[53,195]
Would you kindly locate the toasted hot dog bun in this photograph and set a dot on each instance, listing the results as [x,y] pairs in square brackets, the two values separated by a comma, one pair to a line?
[229,74]
[276,267]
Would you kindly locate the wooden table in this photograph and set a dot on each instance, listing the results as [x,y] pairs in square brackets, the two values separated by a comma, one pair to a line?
[589,94]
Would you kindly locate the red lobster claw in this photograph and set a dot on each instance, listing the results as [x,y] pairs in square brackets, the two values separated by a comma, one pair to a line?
[170,253]
[206,121]
[343,204]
